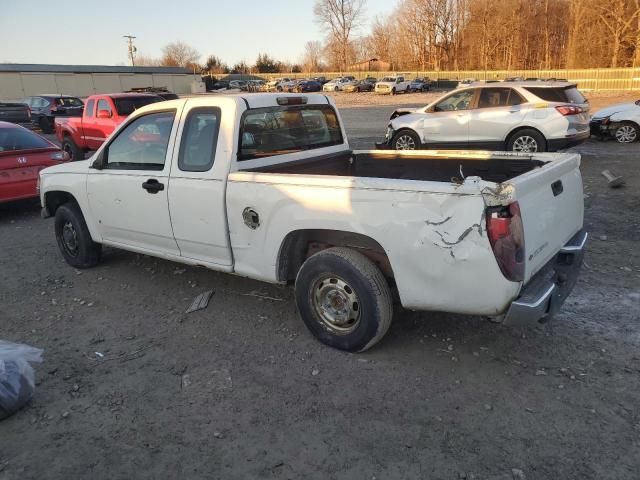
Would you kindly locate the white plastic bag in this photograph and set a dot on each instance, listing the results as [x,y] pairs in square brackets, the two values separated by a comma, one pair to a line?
[17,380]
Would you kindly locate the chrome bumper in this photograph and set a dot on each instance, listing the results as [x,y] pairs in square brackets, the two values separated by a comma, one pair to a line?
[545,293]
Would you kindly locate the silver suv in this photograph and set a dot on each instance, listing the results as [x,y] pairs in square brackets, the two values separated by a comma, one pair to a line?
[516,116]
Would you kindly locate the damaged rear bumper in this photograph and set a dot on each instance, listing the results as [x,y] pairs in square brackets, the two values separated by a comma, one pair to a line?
[545,293]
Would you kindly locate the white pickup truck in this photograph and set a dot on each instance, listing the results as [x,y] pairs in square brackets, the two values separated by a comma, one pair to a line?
[266,186]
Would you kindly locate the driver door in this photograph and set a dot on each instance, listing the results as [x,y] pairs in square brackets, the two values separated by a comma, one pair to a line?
[128,195]
[447,122]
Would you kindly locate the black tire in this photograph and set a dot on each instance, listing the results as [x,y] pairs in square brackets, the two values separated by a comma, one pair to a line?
[45,125]
[75,152]
[406,140]
[393,91]
[627,132]
[73,237]
[527,136]
[335,89]
[373,304]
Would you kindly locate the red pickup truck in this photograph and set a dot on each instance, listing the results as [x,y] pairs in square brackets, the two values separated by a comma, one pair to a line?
[102,114]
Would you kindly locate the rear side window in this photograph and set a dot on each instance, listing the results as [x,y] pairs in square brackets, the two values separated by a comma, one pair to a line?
[20,139]
[104,105]
[68,102]
[558,94]
[88,109]
[288,129]
[127,105]
[498,97]
[199,139]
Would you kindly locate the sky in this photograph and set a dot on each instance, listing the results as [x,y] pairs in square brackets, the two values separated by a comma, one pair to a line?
[89,32]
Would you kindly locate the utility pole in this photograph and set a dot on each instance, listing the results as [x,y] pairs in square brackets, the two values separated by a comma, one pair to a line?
[132,49]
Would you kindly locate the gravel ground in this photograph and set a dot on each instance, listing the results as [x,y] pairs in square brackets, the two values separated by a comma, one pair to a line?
[131,387]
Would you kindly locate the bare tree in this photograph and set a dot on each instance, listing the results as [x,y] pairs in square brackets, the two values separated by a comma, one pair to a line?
[312,56]
[179,54]
[147,61]
[340,19]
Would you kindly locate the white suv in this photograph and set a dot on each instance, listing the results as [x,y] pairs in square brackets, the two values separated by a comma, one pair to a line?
[518,116]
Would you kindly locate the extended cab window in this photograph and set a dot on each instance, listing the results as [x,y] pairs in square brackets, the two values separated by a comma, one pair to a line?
[279,130]
[498,97]
[456,101]
[142,145]
[199,139]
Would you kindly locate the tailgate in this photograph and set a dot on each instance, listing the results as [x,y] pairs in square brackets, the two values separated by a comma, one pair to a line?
[14,112]
[552,207]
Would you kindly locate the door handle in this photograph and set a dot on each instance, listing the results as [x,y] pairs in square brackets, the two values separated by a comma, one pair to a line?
[153,186]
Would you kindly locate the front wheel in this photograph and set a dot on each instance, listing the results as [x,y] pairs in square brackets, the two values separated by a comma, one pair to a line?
[405,140]
[527,141]
[627,133]
[75,152]
[344,299]
[73,237]
[393,91]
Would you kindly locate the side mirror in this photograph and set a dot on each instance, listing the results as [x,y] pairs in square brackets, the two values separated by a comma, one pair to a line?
[104,114]
[98,163]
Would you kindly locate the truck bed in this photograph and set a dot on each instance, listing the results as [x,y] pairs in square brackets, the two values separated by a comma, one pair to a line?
[426,166]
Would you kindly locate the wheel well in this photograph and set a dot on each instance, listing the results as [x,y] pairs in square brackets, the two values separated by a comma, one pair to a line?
[409,130]
[301,244]
[52,200]
[518,129]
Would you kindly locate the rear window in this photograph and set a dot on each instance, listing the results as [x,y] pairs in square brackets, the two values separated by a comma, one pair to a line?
[128,105]
[558,94]
[69,102]
[13,138]
[288,129]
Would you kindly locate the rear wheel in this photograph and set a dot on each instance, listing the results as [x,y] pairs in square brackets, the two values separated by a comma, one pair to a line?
[73,237]
[75,152]
[344,299]
[335,89]
[45,125]
[627,132]
[526,141]
[405,140]
[393,91]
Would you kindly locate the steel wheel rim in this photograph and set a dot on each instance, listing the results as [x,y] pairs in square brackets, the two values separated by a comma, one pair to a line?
[70,239]
[336,304]
[525,144]
[405,142]
[626,134]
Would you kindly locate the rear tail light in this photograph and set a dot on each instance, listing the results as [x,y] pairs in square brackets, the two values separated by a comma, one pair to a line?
[506,235]
[569,110]
[60,156]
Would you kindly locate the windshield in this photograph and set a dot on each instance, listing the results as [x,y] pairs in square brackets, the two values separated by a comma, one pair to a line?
[389,79]
[128,105]
[69,102]
[16,138]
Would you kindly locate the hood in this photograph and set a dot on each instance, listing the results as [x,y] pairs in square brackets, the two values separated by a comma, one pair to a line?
[68,167]
[621,107]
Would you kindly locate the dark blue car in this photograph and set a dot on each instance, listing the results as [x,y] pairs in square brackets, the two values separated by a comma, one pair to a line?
[45,108]
[308,86]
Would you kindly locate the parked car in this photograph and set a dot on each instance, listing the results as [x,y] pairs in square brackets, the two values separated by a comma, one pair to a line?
[23,153]
[337,84]
[392,85]
[286,200]
[307,86]
[219,85]
[420,85]
[239,84]
[45,108]
[15,112]
[365,85]
[322,80]
[466,82]
[102,114]
[255,85]
[278,84]
[621,122]
[519,116]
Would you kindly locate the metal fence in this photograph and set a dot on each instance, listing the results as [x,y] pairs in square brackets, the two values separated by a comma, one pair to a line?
[587,79]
